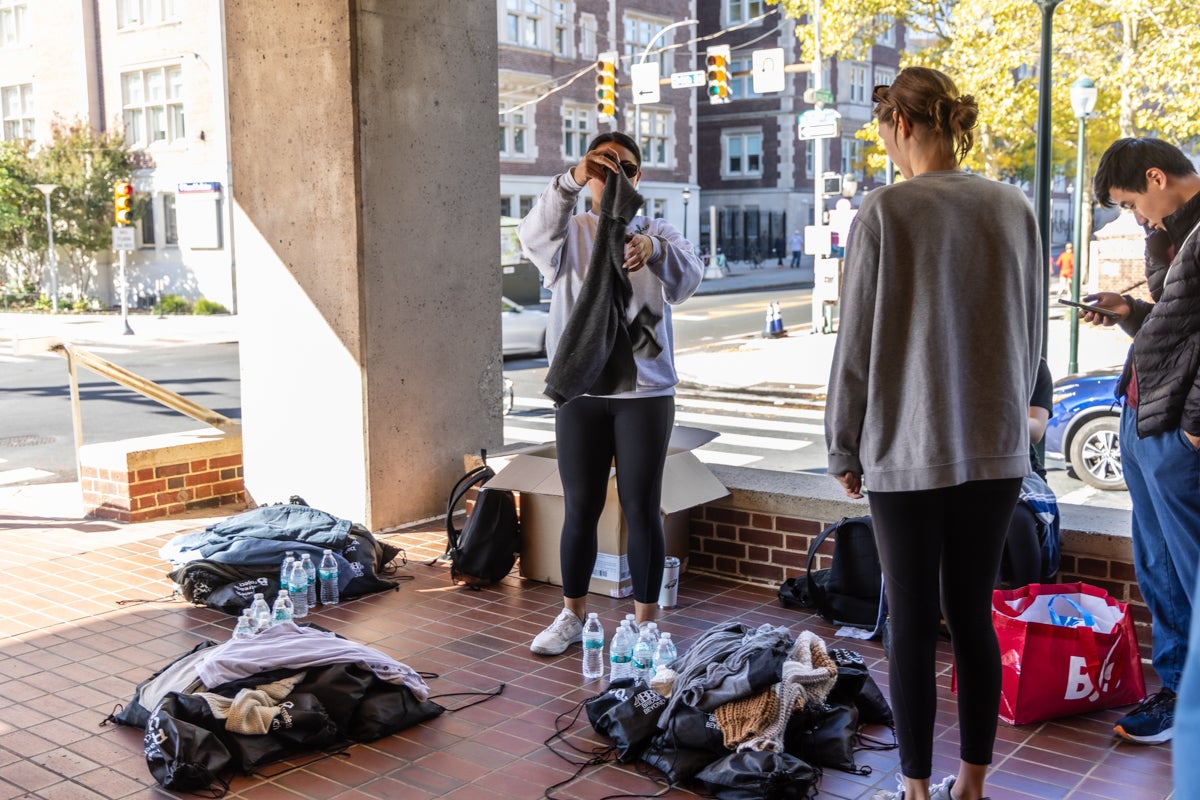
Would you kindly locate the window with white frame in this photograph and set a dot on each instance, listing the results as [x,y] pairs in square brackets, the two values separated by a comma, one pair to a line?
[742,152]
[523,23]
[808,159]
[139,13]
[17,102]
[884,76]
[824,78]
[587,36]
[170,220]
[515,136]
[13,22]
[153,105]
[656,208]
[741,87]
[887,35]
[560,35]
[742,10]
[578,129]
[639,32]
[851,154]
[860,79]
[656,138]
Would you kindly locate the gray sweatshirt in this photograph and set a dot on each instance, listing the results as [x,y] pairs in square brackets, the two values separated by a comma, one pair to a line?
[939,336]
[559,243]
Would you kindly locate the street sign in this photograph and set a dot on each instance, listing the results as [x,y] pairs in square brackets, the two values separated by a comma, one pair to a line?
[124,238]
[818,96]
[817,240]
[819,123]
[767,70]
[644,77]
[686,80]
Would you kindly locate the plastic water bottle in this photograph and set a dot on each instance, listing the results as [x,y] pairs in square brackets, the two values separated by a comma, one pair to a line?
[261,612]
[665,652]
[283,610]
[633,626]
[246,625]
[329,579]
[310,569]
[593,648]
[643,655]
[620,653]
[285,570]
[298,589]
[652,628]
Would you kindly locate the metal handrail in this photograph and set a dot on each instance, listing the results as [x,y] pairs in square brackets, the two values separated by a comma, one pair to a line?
[77,357]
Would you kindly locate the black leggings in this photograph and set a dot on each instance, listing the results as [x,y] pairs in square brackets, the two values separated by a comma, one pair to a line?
[949,538]
[591,432]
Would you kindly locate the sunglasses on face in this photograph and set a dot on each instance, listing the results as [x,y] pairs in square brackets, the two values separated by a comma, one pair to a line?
[880,93]
[628,167]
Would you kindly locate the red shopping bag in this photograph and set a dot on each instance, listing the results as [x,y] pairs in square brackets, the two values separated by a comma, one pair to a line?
[1065,649]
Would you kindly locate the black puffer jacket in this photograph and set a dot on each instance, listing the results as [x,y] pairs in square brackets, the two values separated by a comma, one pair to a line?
[1166,345]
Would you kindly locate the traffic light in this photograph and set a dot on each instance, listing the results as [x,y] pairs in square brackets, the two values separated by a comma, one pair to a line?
[123,202]
[717,58]
[606,86]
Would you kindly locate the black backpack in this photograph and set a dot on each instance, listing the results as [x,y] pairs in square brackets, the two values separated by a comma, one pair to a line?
[850,592]
[485,550]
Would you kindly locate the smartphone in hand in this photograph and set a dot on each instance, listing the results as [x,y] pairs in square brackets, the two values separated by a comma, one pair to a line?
[1104,312]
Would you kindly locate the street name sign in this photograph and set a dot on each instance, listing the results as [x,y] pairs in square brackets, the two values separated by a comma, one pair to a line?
[686,80]
[818,96]
[644,78]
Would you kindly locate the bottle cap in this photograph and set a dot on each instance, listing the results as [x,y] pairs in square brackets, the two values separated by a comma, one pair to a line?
[592,615]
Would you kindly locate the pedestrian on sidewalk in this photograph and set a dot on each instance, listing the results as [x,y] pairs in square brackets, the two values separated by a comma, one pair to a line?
[796,243]
[1066,268]
[624,410]
[928,403]
[1160,422]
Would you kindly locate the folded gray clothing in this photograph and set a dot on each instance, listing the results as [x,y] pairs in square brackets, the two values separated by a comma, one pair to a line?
[723,666]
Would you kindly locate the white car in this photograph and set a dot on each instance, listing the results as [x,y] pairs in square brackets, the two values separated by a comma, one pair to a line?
[524,329]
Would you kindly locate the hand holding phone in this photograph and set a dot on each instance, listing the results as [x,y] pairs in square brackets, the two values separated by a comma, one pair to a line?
[1104,312]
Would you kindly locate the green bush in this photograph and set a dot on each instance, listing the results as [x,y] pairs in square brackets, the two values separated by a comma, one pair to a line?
[206,306]
[173,304]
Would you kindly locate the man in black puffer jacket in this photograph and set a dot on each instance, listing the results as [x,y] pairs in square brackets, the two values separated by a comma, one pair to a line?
[1160,424]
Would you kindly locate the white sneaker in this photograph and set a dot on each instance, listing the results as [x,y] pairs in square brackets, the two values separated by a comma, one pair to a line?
[562,633]
[939,792]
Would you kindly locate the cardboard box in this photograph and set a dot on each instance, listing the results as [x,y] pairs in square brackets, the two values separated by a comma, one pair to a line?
[533,473]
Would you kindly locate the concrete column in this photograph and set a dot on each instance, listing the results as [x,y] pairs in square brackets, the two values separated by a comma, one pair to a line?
[366,181]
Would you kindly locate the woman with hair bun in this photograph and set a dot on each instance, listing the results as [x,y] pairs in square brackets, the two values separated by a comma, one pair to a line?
[938,348]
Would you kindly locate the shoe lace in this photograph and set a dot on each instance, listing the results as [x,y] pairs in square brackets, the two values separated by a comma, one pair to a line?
[1154,701]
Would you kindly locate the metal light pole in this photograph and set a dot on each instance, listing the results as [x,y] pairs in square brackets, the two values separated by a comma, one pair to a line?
[1041,171]
[48,189]
[1083,100]
[637,109]
[687,195]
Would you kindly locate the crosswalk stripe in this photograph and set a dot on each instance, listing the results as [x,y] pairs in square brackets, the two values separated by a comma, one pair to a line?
[10,476]
[744,409]
[761,442]
[752,424]
[533,435]
[725,459]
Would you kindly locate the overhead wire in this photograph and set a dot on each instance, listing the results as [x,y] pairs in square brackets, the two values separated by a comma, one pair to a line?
[570,78]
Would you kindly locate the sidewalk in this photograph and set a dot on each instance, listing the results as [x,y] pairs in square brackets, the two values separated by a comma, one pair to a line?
[106,329]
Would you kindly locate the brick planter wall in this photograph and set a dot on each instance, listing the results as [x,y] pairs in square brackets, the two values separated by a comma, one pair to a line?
[766,547]
[135,480]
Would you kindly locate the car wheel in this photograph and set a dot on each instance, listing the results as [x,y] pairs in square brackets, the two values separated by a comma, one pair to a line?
[1096,454]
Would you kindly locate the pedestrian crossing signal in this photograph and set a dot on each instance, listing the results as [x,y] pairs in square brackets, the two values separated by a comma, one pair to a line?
[717,58]
[123,202]
[606,86]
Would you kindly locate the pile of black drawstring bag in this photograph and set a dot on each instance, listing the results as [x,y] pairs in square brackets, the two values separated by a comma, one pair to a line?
[196,736]
[223,566]
[683,738]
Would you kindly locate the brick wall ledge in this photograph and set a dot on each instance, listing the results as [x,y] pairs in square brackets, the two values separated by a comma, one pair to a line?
[1087,531]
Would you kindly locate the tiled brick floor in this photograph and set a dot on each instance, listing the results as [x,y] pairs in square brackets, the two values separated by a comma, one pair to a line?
[87,616]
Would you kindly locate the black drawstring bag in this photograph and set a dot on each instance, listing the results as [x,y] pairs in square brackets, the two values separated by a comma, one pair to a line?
[184,756]
[759,775]
[627,713]
[692,741]
[856,686]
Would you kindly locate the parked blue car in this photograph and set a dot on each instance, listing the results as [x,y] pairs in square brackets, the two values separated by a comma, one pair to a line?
[1085,426]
